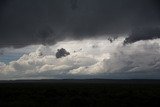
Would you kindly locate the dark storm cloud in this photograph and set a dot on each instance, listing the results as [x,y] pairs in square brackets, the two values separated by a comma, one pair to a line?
[25,22]
[143,34]
[61,53]
[74,4]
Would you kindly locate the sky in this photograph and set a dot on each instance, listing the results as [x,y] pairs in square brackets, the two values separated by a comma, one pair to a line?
[111,39]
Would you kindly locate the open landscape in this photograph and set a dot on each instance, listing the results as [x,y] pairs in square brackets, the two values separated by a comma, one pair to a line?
[80,93]
[80,53]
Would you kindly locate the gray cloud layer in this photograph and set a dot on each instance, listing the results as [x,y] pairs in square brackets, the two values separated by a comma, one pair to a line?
[24,22]
[144,33]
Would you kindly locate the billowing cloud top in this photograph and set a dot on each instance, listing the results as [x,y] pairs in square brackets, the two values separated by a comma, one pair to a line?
[90,58]
[25,22]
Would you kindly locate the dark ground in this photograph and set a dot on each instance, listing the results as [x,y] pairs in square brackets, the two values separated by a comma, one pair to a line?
[80,93]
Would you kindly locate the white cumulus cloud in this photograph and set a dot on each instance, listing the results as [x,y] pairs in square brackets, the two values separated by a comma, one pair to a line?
[92,58]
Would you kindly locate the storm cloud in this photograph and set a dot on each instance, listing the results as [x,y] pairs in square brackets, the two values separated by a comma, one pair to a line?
[27,22]
[92,58]
[143,34]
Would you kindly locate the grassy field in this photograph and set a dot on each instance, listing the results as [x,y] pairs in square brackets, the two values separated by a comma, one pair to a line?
[80,93]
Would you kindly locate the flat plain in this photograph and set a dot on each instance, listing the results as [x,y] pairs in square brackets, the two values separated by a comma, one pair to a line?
[80,93]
